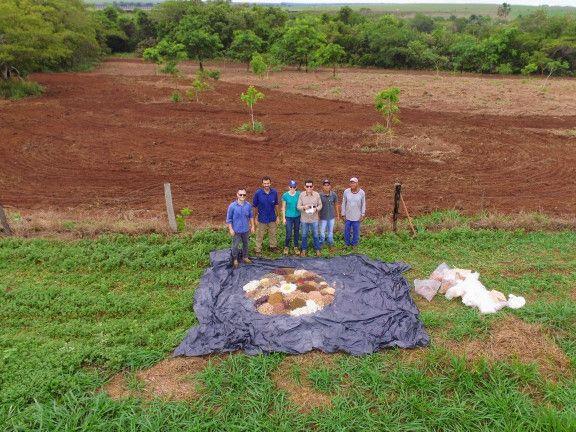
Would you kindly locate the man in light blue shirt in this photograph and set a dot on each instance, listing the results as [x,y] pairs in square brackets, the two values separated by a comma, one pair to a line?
[240,224]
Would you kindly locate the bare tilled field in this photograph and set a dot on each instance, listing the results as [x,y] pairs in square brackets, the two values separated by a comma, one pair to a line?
[107,140]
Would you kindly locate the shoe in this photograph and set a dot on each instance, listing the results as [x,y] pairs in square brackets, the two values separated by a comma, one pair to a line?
[286,251]
[235,264]
[258,252]
[247,261]
[297,251]
[303,253]
[331,249]
[318,253]
[274,249]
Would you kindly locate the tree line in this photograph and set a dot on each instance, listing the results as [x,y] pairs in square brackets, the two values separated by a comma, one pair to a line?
[65,35]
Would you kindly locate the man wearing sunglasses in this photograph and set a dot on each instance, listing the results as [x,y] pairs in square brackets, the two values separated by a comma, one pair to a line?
[240,224]
[309,204]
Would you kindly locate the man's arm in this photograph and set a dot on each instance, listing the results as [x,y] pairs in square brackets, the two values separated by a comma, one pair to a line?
[229,220]
[363,212]
[284,212]
[336,206]
[255,209]
[344,204]
[251,218]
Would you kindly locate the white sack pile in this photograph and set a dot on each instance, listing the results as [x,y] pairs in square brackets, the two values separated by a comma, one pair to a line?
[464,283]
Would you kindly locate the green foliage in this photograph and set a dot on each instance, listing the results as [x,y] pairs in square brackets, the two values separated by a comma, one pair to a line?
[245,45]
[199,85]
[256,127]
[18,89]
[45,35]
[386,103]
[197,37]
[258,65]
[176,97]
[213,73]
[529,69]
[330,54]
[167,54]
[300,39]
[181,218]
[250,98]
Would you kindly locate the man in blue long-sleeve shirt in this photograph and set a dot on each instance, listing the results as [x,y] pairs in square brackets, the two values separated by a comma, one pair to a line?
[240,224]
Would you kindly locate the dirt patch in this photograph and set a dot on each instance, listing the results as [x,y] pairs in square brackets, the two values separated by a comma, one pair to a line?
[297,385]
[109,139]
[514,339]
[172,379]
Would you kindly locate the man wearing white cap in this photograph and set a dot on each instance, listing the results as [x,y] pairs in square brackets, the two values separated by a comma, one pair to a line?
[353,211]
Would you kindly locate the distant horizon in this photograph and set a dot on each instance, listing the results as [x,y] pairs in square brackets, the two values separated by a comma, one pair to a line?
[569,3]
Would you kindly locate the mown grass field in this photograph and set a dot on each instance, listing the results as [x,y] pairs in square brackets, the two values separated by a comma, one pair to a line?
[74,313]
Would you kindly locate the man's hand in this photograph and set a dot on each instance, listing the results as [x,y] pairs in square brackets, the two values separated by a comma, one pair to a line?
[231,231]
[252,229]
[284,221]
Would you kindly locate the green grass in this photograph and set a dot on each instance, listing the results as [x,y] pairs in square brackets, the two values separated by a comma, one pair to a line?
[19,89]
[74,313]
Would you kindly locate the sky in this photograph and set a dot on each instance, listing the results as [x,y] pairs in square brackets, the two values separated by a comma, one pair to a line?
[513,2]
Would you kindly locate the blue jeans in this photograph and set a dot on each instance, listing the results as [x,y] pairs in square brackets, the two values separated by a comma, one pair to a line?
[329,223]
[351,232]
[310,226]
[292,231]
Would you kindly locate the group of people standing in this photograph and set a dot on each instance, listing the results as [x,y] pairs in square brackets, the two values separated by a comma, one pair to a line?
[306,212]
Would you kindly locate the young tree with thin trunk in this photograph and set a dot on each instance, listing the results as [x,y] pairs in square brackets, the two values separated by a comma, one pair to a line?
[250,98]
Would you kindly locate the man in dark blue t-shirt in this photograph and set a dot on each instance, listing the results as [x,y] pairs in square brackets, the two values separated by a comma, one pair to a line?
[266,214]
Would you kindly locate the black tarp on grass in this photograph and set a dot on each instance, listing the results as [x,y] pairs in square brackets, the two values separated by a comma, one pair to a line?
[372,309]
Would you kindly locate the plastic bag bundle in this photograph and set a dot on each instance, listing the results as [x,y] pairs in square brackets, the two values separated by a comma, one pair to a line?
[464,283]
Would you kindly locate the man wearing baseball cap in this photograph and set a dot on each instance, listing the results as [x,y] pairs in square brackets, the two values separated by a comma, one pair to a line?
[329,214]
[353,211]
[291,217]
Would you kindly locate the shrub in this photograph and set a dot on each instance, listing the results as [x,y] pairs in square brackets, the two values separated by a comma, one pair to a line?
[18,89]
[257,127]
[214,74]
[505,69]
[181,218]
[176,97]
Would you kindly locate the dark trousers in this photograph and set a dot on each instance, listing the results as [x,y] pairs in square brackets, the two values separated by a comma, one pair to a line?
[240,237]
[292,231]
[351,232]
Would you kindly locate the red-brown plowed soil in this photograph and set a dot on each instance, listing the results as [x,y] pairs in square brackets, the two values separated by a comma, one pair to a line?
[97,140]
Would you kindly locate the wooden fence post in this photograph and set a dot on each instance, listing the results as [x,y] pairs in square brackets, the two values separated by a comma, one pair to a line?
[4,222]
[170,208]
[397,194]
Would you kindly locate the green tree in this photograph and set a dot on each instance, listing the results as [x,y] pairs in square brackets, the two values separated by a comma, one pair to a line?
[167,54]
[387,104]
[199,85]
[245,44]
[300,40]
[45,35]
[330,55]
[258,65]
[250,98]
[200,43]
[504,10]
